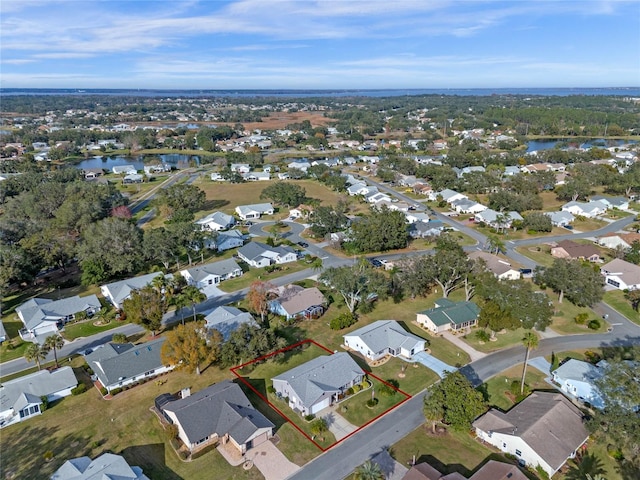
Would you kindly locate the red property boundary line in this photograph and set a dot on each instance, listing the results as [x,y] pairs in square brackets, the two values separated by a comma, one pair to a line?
[283,415]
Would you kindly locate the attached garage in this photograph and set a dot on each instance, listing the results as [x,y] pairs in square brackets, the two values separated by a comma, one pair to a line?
[326,403]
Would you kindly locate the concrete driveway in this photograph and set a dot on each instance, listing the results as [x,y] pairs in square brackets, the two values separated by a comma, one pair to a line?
[433,363]
[271,462]
[338,425]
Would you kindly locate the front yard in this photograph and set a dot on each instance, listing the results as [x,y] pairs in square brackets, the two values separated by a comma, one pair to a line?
[615,298]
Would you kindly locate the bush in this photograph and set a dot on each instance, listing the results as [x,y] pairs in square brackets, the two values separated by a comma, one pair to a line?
[271,389]
[48,456]
[372,402]
[309,417]
[116,391]
[483,335]
[356,388]
[386,390]
[594,324]
[45,403]
[119,338]
[104,391]
[79,389]
[350,391]
[344,320]
[581,318]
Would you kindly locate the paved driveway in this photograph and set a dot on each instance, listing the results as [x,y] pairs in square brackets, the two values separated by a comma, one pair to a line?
[271,461]
[433,363]
[541,364]
[212,291]
[338,425]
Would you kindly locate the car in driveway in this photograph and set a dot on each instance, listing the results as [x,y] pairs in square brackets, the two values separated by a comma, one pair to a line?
[303,244]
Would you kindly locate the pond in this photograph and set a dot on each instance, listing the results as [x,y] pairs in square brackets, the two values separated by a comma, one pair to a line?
[107,162]
[549,143]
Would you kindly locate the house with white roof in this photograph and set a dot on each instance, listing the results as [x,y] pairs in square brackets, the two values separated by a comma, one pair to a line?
[118,292]
[413,217]
[450,196]
[359,188]
[585,209]
[577,379]
[621,203]
[256,176]
[124,169]
[497,219]
[106,466]
[377,197]
[560,218]
[382,338]
[258,254]
[240,168]
[621,274]
[20,398]
[464,205]
[216,221]
[618,240]
[203,276]
[227,319]
[248,212]
[302,165]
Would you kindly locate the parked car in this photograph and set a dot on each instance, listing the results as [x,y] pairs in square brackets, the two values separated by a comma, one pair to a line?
[303,244]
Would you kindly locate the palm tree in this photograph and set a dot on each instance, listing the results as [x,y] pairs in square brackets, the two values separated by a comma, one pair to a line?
[193,296]
[35,353]
[530,342]
[588,467]
[495,244]
[54,342]
[181,302]
[369,471]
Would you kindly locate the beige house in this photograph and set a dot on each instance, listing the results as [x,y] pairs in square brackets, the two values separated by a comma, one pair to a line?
[499,267]
[448,315]
[575,251]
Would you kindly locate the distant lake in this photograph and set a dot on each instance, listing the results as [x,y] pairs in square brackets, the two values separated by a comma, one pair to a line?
[108,162]
[548,144]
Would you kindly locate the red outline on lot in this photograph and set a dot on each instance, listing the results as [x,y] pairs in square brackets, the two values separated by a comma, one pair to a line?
[264,399]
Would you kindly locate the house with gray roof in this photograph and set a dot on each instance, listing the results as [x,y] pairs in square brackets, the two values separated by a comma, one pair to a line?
[42,316]
[450,196]
[585,209]
[105,467]
[227,240]
[318,383]
[560,218]
[221,412]
[544,429]
[448,315]
[216,221]
[20,398]
[464,205]
[227,319]
[497,219]
[120,364]
[212,273]
[294,301]
[620,203]
[621,274]
[118,292]
[248,212]
[577,379]
[258,254]
[382,338]
[124,169]
[496,265]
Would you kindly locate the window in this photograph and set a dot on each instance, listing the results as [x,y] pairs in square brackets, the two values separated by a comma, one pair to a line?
[518,453]
[613,282]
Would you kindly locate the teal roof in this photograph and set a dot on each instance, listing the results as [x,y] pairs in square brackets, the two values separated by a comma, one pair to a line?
[448,312]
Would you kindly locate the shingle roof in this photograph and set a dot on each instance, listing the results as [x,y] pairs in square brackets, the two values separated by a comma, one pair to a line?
[300,301]
[257,207]
[221,268]
[383,334]
[493,470]
[578,250]
[455,313]
[221,408]
[113,362]
[36,384]
[578,370]
[227,319]
[494,263]
[218,218]
[105,467]
[38,310]
[322,374]
[120,290]
[628,272]
[253,250]
[549,423]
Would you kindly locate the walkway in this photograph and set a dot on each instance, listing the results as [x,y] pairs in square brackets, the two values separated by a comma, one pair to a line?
[462,345]
[338,425]
[271,462]
[432,363]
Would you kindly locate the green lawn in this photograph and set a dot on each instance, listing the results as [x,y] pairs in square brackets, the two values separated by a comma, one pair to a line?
[87,328]
[416,378]
[254,274]
[355,409]
[503,340]
[615,299]
[498,388]
[538,253]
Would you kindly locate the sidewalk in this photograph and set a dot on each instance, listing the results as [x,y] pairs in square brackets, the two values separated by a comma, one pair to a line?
[461,344]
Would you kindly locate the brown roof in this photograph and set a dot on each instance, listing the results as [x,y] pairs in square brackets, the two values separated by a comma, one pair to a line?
[493,262]
[578,250]
[493,470]
[549,423]
[422,471]
[309,297]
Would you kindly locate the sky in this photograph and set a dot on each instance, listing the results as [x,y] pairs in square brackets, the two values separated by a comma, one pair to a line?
[319,44]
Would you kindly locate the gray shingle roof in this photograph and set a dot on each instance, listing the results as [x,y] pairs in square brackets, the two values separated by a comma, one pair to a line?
[383,334]
[221,408]
[37,384]
[122,289]
[322,374]
[578,370]
[227,319]
[218,218]
[105,467]
[113,362]
[37,310]
[257,207]
[253,250]
[221,268]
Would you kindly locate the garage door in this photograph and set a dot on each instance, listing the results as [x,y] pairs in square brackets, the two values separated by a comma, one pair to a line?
[319,406]
[263,437]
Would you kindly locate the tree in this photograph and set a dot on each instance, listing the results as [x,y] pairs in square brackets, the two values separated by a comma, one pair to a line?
[54,342]
[285,193]
[574,189]
[579,282]
[356,283]
[159,245]
[146,307]
[369,471]
[192,296]
[249,342]
[495,318]
[448,265]
[587,467]
[530,342]
[433,409]
[379,231]
[183,196]
[460,401]
[186,346]
[538,222]
[35,353]
[632,255]
[634,298]
[258,298]
[319,426]
[329,219]
[494,244]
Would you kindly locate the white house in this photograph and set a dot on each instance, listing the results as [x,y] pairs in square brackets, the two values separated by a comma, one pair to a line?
[259,254]
[106,466]
[500,268]
[544,429]
[381,338]
[619,203]
[413,217]
[585,209]
[20,398]
[450,196]
[124,169]
[228,240]
[256,176]
[216,221]
[247,212]
[377,197]
[357,188]
[227,319]
[497,219]
[302,165]
[621,274]
[464,205]
[576,378]
[240,168]
[203,276]
[618,240]
[118,292]
[448,315]
[560,218]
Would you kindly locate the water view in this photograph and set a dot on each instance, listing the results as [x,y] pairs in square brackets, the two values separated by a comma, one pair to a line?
[549,143]
[108,162]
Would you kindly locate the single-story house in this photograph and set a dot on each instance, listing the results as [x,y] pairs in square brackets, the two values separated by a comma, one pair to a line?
[497,219]
[106,466]
[466,170]
[450,196]
[413,217]
[227,319]
[256,176]
[124,169]
[120,364]
[492,470]
[294,301]
[358,188]
[228,240]
[620,203]
[318,383]
[511,170]
[301,211]
[118,292]
[3,332]
[432,228]
[575,251]
[448,315]
[560,218]
[302,165]
[42,316]
[377,197]
[618,240]
[133,178]
[247,212]
[21,397]
[219,413]
[212,273]
[576,378]
[464,205]
[258,254]
[544,429]
[499,267]
[621,274]
[216,221]
[585,209]
[240,167]
[383,337]
[90,173]
[217,177]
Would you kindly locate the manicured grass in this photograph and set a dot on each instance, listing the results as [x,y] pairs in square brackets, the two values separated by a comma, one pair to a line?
[355,409]
[503,340]
[615,298]
[416,378]
[599,449]
[87,328]
[249,277]
[498,389]
[565,314]
[583,354]
[539,253]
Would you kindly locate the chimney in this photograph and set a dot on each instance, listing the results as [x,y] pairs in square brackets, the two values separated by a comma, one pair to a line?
[185,392]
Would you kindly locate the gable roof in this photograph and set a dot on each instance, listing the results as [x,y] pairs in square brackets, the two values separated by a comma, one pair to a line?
[549,423]
[120,290]
[105,467]
[628,272]
[226,319]
[490,216]
[218,218]
[254,250]
[579,371]
[256,207]
[221,408]
[449,312]
[494,263]
[322,374]
[493,470]
[578,250]
[560,215]
[37,310]
[114,361]
[382,334]
[220,269]
[298,301]
[38,384]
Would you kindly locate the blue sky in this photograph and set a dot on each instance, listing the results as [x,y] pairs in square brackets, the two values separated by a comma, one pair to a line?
[305,44]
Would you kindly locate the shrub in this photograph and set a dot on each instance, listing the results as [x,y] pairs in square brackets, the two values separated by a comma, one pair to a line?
[271,389]
[48,456]
[45,403]
[372,402]
[309,417]
[581,318]
[344,320]
[542,473]
[319,426]
[81,388]
[594,324]
[116,391]
[483,335]
[119,338]
[386,390]
[350,391]
[356,388]
[103,391]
